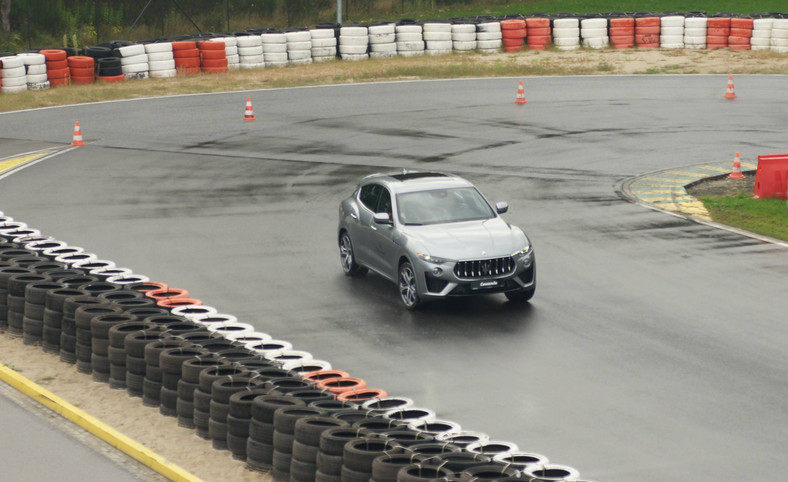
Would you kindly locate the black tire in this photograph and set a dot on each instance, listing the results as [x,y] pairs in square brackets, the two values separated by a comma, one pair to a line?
[135,365]
[406,282]
[33,310]
[224,388]
[307,430]
[135,342]
[241,402]
[202,401]
[85,314]
[333,440]
[328,464]
[358,454]
[350,475]
[301,471]
[264,408]
[134,384]
[285,418]
[169,402]
[190,370]
[520,296]
[347,256]
[459,461]
[36,293]
[117,333]
[283,442]
[185,412]
[100,325]
[261,432]
[218,432]
[237,445]
[406,437]
[219,411]
[304,452]
[151,393]
[259,456]
[171,360]
[322,477]
[423,473]
[434,448]
[211,374]
[186,390]
[281,466]
[488,472]
[100,346]
[385,467]
[202,424]
[238,426]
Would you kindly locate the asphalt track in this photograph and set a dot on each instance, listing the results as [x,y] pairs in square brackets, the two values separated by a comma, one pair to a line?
[654,347]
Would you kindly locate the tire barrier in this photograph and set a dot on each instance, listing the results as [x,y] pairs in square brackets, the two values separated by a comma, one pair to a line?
[488,37]
[213,56]
[779,35]
[275,408]
[324,44]
[409,37]
[186,56]
[513,33]
[594,33]
[299,47]
[539,35]
[353,42]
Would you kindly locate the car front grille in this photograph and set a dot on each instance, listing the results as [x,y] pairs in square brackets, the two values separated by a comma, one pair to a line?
[484,268]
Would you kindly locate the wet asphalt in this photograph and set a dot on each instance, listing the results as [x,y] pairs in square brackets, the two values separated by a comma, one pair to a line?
[654,347]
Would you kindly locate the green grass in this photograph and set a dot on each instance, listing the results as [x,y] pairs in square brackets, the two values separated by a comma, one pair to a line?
[768,217]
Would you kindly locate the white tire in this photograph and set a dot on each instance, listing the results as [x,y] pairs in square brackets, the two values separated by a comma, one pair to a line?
[566,41]
[463,28]
[14,81]
[464,36]
[439,45]
[273,38]
[321,33]
[323,58]
[763,23]
[324,42]
[382,38]
[134,59]
[9,73]
[694,41]
[36,69]
[779,33]
[566,32]
[258,65]
[409,37]
[304,61]
[695,22]
[158,47]
[275,48]
[388,28]
[378,48]
[163,74]
[670,39]
[488,36]
[354,57]
[352,49]
[299,54]
[137,75]
[32,59]
[762,33]
[489,44]
[382,55]
[593,32]
[774,42]
[301,45]
[228,51]
[298,36]
[781,50]
[428,36]
[780,23]
[760,42]
[409,29]
[247,41]
[132,50]
[134,68]
[159,56]
[353,31]
[354,40]
[437,27]
[233,59]
[254,59]
[410,53]
[250,51]
[275,57]
[160,65]
[438,51]
[228,41]
[410,46]
[671,21]
[566,23]
[324,52]
[13,89]
[38,85]
[489,27]
[596,42]
[35,78]
[677,45]
[11,62]
[464,46]
[671,31]
[594,23]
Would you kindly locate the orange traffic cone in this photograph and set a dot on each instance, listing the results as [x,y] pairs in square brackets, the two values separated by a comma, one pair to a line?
[77,140]
[729,94]
[249,114]
[736,174]
[520,99]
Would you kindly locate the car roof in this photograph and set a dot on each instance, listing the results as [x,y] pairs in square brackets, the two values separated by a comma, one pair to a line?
[406,181]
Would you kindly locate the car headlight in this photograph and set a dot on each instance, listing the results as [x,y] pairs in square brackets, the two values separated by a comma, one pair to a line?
[522,252]
[433,259]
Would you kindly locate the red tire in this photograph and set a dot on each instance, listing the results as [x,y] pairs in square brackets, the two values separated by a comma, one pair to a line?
[186,53]
[59,81]
[213,54]
[647,22]
[718,31]
[324,375]
[513,42]
[53,54]
[82,71]
[538,31]
[643,40]
[175,302]
[622,22]
[512,24]
[83,79]
[58,74]
[167,293]
[57,64]
[205,45]
[738,41]
[647,30]
[342,384]
[184,45]
[739,47]
[512,48]
[513,34]
[362,395]
[81,61]
[539,42]
[537,22]
[740,32]
[187,63]
[214,64]
[622,31]
[741,23]
[714,22]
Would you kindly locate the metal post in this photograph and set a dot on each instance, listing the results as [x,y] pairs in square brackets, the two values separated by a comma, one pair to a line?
[339,12]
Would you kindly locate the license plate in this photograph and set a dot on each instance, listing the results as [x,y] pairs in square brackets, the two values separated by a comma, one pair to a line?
[486,284]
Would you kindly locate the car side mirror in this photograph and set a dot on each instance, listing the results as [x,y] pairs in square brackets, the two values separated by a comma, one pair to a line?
[382,218]
[501,207]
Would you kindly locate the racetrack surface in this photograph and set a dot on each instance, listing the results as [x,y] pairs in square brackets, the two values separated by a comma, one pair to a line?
[654,347]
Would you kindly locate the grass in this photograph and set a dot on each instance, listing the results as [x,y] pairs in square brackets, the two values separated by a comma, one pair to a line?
[768,217]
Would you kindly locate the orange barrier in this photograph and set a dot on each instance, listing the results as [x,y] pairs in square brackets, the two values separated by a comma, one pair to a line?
[771,176]
[213,57]
[622,32]
[167,293]
[539,34]
[647,32]
[362,395]
[321,375]
[341,384]
[513,33]
[150,286]
[176,302]
[718,29]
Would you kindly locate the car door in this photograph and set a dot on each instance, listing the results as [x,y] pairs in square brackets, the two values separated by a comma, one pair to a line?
[382,236]
[360,230]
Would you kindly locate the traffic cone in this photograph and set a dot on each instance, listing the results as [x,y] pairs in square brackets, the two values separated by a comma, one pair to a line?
[736,174]
[729,94]
[249,114]
[520,99]
[77,140]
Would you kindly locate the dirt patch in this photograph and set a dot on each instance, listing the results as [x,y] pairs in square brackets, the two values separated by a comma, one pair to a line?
[723,186]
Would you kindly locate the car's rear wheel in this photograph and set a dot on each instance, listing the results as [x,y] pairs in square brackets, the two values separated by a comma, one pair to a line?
[347,257]
[520,296]
[407,286]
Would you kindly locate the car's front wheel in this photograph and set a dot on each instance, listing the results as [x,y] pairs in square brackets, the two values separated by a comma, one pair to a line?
[407,286]
[347,257]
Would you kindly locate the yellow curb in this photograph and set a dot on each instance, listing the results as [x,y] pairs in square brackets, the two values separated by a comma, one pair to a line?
[96,427]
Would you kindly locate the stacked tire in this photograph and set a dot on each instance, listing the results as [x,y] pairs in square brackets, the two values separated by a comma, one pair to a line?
[437,38]
[161,61]
[382,40]
[134,61]
[593,32]
[761,33]
[513,33]
[116,351]
[68,327]
[109,69]
[299,47]
[57,67]
[671,32]
[539,33]
[463,36]
[99,330]
[35,71]
[718,29]
[82,69]
[13,76]
[53,317]
[410,39]
[274,49]
[213,58]
[324,44]
[566,33]
[353,42]
[186,56]
[83,318]
[16,285]
[695,32]
[779,35]
[647,31]
[622,32]
[239,420]
[741,33]
[250,51]
[35,304]
[260,444]
[230,51]
[488,37]
[306,445]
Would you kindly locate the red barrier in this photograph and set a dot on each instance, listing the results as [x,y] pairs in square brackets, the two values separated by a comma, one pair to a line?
[771,177]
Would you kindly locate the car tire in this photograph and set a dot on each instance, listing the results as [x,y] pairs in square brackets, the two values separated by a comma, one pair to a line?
[347,257]
[406,281]
[520,296]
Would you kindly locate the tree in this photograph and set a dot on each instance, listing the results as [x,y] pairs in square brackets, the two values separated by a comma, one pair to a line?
[5,10]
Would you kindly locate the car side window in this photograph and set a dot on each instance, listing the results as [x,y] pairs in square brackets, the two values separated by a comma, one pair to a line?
[369,196]
[384,204]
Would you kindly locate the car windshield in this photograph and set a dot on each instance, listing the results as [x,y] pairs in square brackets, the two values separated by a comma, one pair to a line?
[442,206]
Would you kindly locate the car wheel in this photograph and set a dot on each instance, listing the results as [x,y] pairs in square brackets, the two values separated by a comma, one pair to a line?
[407,286]
[347,258]
[520,296]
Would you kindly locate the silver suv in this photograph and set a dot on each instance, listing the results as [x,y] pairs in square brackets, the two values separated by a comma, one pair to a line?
[434,235]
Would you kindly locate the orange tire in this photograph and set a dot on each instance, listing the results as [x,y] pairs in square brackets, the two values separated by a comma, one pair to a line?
[325,375]
[718,31]
[56,74]
[82,71]
[538,31]
[187,62]
[81,61]
[53,54]
[167,293]
[647,22]
[205,45]
[59,81]
[149,286]
[712,46]
[213,54]
[512,24]
[741,23]
[717,39]
[214,63]
[647,30]
[738,40]
[513,42]
[513,34]
[186,53]
[739,47]
[622,22]
[175,302]
[714,22]
[622,42]
[512,48]
[57,64]
[641,40]
[362,395]
[622,31]
[537,22]
[83,79]
[184,45]
[341,384]
[538,40]
[740,32]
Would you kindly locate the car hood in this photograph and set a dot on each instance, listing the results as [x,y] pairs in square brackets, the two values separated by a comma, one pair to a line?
[490,238]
